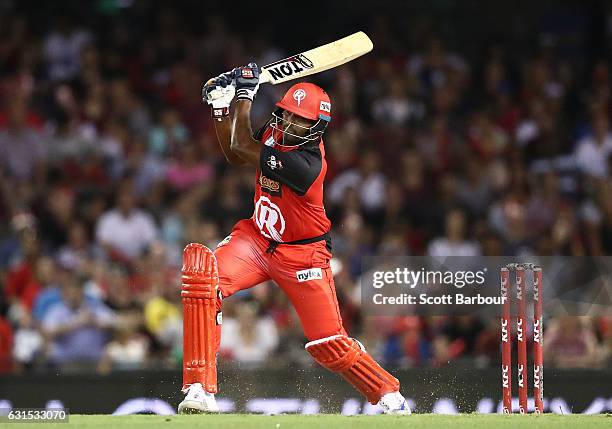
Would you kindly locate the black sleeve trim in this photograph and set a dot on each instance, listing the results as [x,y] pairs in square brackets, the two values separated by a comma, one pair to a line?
[258,135]
[297,169]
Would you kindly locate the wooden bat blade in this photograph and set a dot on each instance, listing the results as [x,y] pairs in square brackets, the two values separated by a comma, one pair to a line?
[317,60]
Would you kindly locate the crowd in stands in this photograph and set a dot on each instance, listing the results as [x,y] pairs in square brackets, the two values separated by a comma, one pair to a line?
[109,165]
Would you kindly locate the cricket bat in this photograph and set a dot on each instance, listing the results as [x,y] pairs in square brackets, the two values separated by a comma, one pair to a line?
[317,60]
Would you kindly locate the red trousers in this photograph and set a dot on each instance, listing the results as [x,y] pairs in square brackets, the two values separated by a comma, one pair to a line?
[302,271]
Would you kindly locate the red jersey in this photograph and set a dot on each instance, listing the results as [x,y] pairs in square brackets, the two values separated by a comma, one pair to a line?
[289,190]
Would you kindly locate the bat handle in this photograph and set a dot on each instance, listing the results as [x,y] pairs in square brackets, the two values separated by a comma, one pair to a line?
[264,76]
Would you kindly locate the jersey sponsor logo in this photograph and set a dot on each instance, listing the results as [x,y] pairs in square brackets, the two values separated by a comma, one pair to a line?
[325,106]
[224,241]
[274,163]
[299,95]
[269,219]
[269,186]
[287,67]
[309,274]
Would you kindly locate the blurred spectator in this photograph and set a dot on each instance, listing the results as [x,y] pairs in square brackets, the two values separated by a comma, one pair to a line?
[249,338]
[78,249]
[22,148]
[162,318]
[454,243]
[127,350]
[474,189]
[28,342]
[188,170]
[62,48]
[435,67]
[125,231]
[367,180]
[427,155]
[21,284]
[75,327]
[571,343]
[396,108]
[593,151]
[167,138]
[605,224]
[6,346]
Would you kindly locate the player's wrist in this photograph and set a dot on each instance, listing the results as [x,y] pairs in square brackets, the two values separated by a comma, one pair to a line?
[245,94]
[243,103]
[219,112]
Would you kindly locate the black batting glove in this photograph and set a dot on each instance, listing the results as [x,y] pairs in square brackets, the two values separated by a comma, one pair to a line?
[247,81]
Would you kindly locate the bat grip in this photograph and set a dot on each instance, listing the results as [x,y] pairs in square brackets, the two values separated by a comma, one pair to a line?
[264,76]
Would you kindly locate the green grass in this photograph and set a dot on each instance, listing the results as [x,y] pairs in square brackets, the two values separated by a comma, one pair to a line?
[330,421]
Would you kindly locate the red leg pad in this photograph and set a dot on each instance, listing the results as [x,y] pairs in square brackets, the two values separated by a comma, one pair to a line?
[200,282]
[346,357]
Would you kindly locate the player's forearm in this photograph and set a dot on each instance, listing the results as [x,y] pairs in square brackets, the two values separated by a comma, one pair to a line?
[218,93]
[223,129]
[242,142]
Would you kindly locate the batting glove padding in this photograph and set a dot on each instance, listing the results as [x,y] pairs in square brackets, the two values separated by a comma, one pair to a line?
[247,81]
[219,92]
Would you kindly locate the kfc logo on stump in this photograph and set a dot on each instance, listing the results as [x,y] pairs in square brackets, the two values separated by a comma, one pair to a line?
[504,330]
[505,376]
[537,377]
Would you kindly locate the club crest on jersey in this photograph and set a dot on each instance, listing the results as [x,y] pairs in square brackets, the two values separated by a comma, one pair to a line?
[287,67]
[309,274]
[269,186]
[269,219]
[274,163]
[299,95]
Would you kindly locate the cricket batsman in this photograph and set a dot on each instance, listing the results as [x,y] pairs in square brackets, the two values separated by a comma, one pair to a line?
[287,240]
